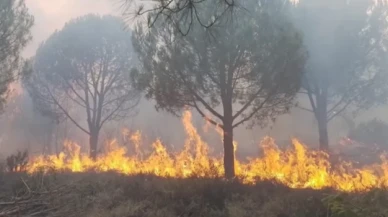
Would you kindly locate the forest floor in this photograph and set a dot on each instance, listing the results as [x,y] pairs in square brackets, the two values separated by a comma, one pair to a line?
[114,195]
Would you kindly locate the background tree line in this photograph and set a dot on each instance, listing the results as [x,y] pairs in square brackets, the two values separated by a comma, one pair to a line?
[234,62]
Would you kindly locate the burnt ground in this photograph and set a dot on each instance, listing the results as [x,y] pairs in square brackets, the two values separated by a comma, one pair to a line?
[114,195]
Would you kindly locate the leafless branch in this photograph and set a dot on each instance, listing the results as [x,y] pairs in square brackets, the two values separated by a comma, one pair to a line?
[253,98]
[305,109]
[179,13]
[254,111]
[205,116]
[66,112]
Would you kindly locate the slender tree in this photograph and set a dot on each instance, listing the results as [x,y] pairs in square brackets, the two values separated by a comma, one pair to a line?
[85,67]
[346,57]
[250,72]
[15,25]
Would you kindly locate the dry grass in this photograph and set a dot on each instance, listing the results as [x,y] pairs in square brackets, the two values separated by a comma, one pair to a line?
[114,195]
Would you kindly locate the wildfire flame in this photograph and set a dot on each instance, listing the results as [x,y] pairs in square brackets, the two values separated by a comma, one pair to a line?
[296,168]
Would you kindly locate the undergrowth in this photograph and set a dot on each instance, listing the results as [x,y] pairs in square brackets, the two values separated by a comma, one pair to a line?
[115,195]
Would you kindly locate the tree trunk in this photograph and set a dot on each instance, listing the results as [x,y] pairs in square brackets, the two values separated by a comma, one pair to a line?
[56,141]
[321,116]
[93,141]
[228,148]
[47,141]
[323,134]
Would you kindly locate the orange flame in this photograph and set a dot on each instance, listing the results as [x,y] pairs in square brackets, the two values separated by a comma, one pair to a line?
[296,168]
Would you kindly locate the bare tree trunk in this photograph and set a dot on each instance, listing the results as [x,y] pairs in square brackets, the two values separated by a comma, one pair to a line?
[56,140]
[323,134]
[228,142]
[47,141]
[93,141]
[228,152]
[321,116]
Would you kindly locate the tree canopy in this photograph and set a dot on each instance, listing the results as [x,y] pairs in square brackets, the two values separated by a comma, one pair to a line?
[249,72]
[85,67]
[15,26]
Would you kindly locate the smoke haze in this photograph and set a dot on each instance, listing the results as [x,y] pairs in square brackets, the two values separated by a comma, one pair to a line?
[23,127]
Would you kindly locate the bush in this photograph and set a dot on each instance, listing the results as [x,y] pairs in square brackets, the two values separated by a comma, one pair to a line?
[372,203]
[373,132]
[17,162]
[366,142]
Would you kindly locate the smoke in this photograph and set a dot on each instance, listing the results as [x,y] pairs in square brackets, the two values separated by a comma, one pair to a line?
[23,127]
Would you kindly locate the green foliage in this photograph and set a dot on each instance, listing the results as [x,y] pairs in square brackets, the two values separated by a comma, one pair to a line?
[253,67]
[15,25]
[357,205]
[249,72]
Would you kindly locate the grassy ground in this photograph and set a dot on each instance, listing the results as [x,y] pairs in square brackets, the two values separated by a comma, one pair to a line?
[114,195]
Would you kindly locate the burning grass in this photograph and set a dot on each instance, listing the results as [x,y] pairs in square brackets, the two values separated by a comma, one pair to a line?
[297,167]
[117,195]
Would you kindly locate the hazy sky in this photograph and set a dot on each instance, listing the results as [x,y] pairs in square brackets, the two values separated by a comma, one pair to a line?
[53,14]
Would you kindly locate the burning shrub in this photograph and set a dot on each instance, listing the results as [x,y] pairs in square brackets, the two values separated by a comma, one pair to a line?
[365,143]
[17,162]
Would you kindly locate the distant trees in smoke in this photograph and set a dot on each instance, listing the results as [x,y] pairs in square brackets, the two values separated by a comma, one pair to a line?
[15,26]
[345,71]
[85,67]
[248,70]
